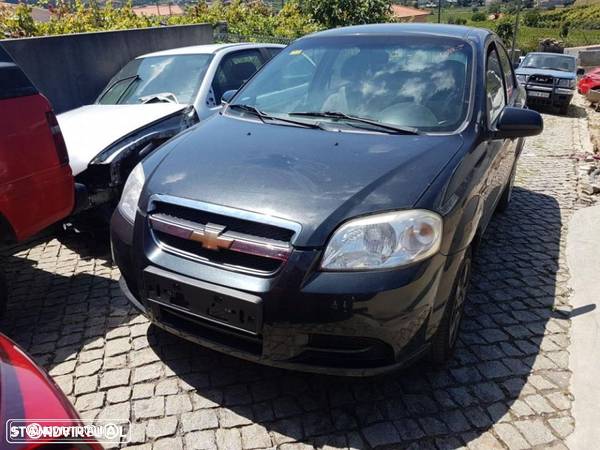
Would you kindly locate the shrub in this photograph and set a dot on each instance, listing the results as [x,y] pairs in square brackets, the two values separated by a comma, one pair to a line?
[242,18]
[532,18]
[478,17]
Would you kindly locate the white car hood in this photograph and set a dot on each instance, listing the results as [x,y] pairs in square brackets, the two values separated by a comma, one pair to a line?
[90,129]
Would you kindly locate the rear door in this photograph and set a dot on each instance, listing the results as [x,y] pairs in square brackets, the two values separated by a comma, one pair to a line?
[36,186]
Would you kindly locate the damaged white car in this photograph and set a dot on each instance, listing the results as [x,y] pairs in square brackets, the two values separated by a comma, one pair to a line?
[150,100]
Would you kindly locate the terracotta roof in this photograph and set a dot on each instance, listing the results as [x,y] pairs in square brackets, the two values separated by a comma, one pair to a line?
[158,10]
[38,14]
[400,11]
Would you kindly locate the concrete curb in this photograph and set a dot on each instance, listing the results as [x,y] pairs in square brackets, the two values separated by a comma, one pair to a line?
[583,258]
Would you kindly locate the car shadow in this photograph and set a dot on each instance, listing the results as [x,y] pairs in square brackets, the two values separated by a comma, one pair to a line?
[575,111]
[62,297]
[512,345]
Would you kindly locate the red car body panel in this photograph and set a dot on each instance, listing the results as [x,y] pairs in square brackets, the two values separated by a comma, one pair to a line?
[590,80]
[36,184]
[27,392]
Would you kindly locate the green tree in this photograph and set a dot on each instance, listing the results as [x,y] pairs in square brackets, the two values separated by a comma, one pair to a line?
[337,13]
[505,30]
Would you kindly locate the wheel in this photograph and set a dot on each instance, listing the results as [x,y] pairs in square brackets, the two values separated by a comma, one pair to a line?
[506,193]
[444,340]
[564,109]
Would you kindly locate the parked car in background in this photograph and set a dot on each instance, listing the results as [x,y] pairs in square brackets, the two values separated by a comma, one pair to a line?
[36,184]
[549,79]
[150,100]
[590,80]
[27,393]
[326,220]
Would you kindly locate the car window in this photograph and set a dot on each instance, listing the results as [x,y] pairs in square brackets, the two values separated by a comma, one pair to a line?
[496,99]
[509,76]
[419,82]
[549,61]
[169,78]
[13,82]
[234,70]
[273,51]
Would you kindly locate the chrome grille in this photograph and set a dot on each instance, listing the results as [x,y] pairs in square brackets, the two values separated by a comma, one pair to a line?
[541,79]
[222,239]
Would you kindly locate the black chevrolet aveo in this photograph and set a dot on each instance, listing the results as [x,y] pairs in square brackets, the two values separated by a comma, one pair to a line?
[326,220]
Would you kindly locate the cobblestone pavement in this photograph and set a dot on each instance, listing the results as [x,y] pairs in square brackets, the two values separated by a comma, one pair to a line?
[508,386]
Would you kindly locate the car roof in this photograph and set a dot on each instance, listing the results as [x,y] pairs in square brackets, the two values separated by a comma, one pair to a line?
[210,49]
[400,29]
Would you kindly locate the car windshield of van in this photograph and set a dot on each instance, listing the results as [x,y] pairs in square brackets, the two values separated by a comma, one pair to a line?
[411,83]
[549,61]
[157,79]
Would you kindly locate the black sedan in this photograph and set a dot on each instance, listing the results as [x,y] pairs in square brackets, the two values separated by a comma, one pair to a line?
[326,220]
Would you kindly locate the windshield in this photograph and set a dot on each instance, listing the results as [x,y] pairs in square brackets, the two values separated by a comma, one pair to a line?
[172,78]
[417,82]
[549,61]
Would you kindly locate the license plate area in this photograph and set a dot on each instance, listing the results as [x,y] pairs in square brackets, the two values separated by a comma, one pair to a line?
[212,303]
[538,94]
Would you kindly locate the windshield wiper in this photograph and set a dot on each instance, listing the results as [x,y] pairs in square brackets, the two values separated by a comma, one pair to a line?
[343,116]
[263,116]
[120,80]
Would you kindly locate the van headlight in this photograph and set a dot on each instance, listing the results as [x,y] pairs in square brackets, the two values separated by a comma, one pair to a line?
[131,193]
[384,241]
[522,79]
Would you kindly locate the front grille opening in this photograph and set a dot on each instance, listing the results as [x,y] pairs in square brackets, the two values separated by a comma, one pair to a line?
[221,257]
[346,352]
[197,327]
[232,223]
[541,79]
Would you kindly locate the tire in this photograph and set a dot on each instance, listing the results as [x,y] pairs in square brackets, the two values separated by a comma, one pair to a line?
[506,196]
[444,340]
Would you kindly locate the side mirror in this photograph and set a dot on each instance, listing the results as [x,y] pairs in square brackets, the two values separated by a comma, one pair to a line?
[517,123]
[580,71]
[227,96]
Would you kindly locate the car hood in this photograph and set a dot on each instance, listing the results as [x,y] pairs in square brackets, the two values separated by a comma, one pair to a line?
[90,129]
[313,177]
[547,72]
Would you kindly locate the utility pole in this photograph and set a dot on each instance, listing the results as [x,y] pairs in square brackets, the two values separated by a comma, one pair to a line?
[439,11]
[515,31]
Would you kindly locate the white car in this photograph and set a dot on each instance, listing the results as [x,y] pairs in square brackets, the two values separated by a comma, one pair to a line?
[150,100]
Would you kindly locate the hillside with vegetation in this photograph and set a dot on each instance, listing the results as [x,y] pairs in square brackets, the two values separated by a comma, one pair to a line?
[574,26]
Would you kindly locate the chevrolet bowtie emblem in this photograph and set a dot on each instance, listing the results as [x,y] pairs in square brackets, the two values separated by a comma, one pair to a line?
[211,237]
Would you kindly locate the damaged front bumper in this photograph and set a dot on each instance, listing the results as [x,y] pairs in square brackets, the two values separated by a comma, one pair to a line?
[101,184]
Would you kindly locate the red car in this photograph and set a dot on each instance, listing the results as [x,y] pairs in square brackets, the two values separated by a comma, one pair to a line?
[590,80]
[36,184]
[27,395]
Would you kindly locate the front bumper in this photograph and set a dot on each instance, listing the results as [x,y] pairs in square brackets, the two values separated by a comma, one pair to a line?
[352,324]
[548,96]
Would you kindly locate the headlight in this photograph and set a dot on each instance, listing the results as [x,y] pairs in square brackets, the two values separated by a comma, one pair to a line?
[131,193]
[383,241]
[563,82]
[522,79]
